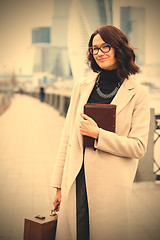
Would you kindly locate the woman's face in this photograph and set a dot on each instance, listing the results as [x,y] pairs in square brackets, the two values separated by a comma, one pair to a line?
[105,61]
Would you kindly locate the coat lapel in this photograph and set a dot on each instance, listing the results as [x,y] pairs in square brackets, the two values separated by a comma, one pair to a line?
[124,95]
[86,90]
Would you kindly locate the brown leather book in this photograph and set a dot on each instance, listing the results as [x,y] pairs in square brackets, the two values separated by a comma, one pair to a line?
[104,115]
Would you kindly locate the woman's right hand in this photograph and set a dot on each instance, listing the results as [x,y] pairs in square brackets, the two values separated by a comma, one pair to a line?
[57,199]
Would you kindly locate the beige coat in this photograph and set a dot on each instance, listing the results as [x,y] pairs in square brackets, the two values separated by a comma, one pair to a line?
[110,170]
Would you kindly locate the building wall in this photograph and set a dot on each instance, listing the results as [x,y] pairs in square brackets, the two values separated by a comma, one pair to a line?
[60,60]
[144,17]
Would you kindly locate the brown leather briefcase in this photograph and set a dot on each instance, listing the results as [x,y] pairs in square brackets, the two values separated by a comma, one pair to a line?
[40,228]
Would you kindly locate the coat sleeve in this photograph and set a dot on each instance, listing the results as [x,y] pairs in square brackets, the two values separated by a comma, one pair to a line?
[135,144]
[61,155]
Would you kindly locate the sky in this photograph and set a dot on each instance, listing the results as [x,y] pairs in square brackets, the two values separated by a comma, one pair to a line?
[17,18]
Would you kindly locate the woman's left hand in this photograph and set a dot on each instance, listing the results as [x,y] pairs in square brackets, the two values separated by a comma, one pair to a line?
[88,127]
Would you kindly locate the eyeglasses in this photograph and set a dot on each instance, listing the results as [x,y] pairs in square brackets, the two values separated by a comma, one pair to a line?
[104,48]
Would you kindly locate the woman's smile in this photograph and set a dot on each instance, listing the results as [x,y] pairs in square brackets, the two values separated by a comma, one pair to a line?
[102,59]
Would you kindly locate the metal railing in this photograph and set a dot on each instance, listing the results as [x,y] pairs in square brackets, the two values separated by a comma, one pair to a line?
[157,137]
[60,101]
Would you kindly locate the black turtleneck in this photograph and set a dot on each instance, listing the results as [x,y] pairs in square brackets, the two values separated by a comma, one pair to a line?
[107,83]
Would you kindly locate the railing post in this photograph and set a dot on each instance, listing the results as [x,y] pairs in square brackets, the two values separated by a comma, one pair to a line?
[156,147]
[145,168]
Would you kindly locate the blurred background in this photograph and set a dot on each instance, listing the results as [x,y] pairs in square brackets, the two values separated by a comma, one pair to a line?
[45,42]
[43,51]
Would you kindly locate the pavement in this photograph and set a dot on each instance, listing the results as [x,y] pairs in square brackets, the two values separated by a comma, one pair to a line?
[29,138]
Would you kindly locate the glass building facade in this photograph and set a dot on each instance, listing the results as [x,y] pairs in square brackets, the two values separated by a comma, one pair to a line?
[41,42]
[84,18]
[59,29]
[132,22]
[51,46]
[41,35]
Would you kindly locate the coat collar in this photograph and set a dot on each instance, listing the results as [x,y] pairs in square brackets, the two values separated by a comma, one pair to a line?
[123,96]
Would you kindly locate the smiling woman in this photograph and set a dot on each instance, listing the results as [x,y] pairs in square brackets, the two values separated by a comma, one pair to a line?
[94,183]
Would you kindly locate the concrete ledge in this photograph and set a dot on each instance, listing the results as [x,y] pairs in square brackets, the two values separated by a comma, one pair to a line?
[145,167]
[5,101]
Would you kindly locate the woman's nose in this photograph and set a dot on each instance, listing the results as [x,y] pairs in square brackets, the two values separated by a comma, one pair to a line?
[100,52]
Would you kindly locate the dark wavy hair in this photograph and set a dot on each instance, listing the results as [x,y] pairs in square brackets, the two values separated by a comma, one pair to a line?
[124,54]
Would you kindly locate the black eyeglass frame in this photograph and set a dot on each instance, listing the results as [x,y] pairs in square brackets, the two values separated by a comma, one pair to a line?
[99,48]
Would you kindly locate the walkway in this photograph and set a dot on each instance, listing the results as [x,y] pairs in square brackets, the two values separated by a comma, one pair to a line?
[30,134]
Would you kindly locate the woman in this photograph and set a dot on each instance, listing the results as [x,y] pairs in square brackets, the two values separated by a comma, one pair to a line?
[93,185]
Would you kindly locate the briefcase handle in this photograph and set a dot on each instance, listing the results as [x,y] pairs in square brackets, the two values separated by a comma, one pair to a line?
[52,213]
